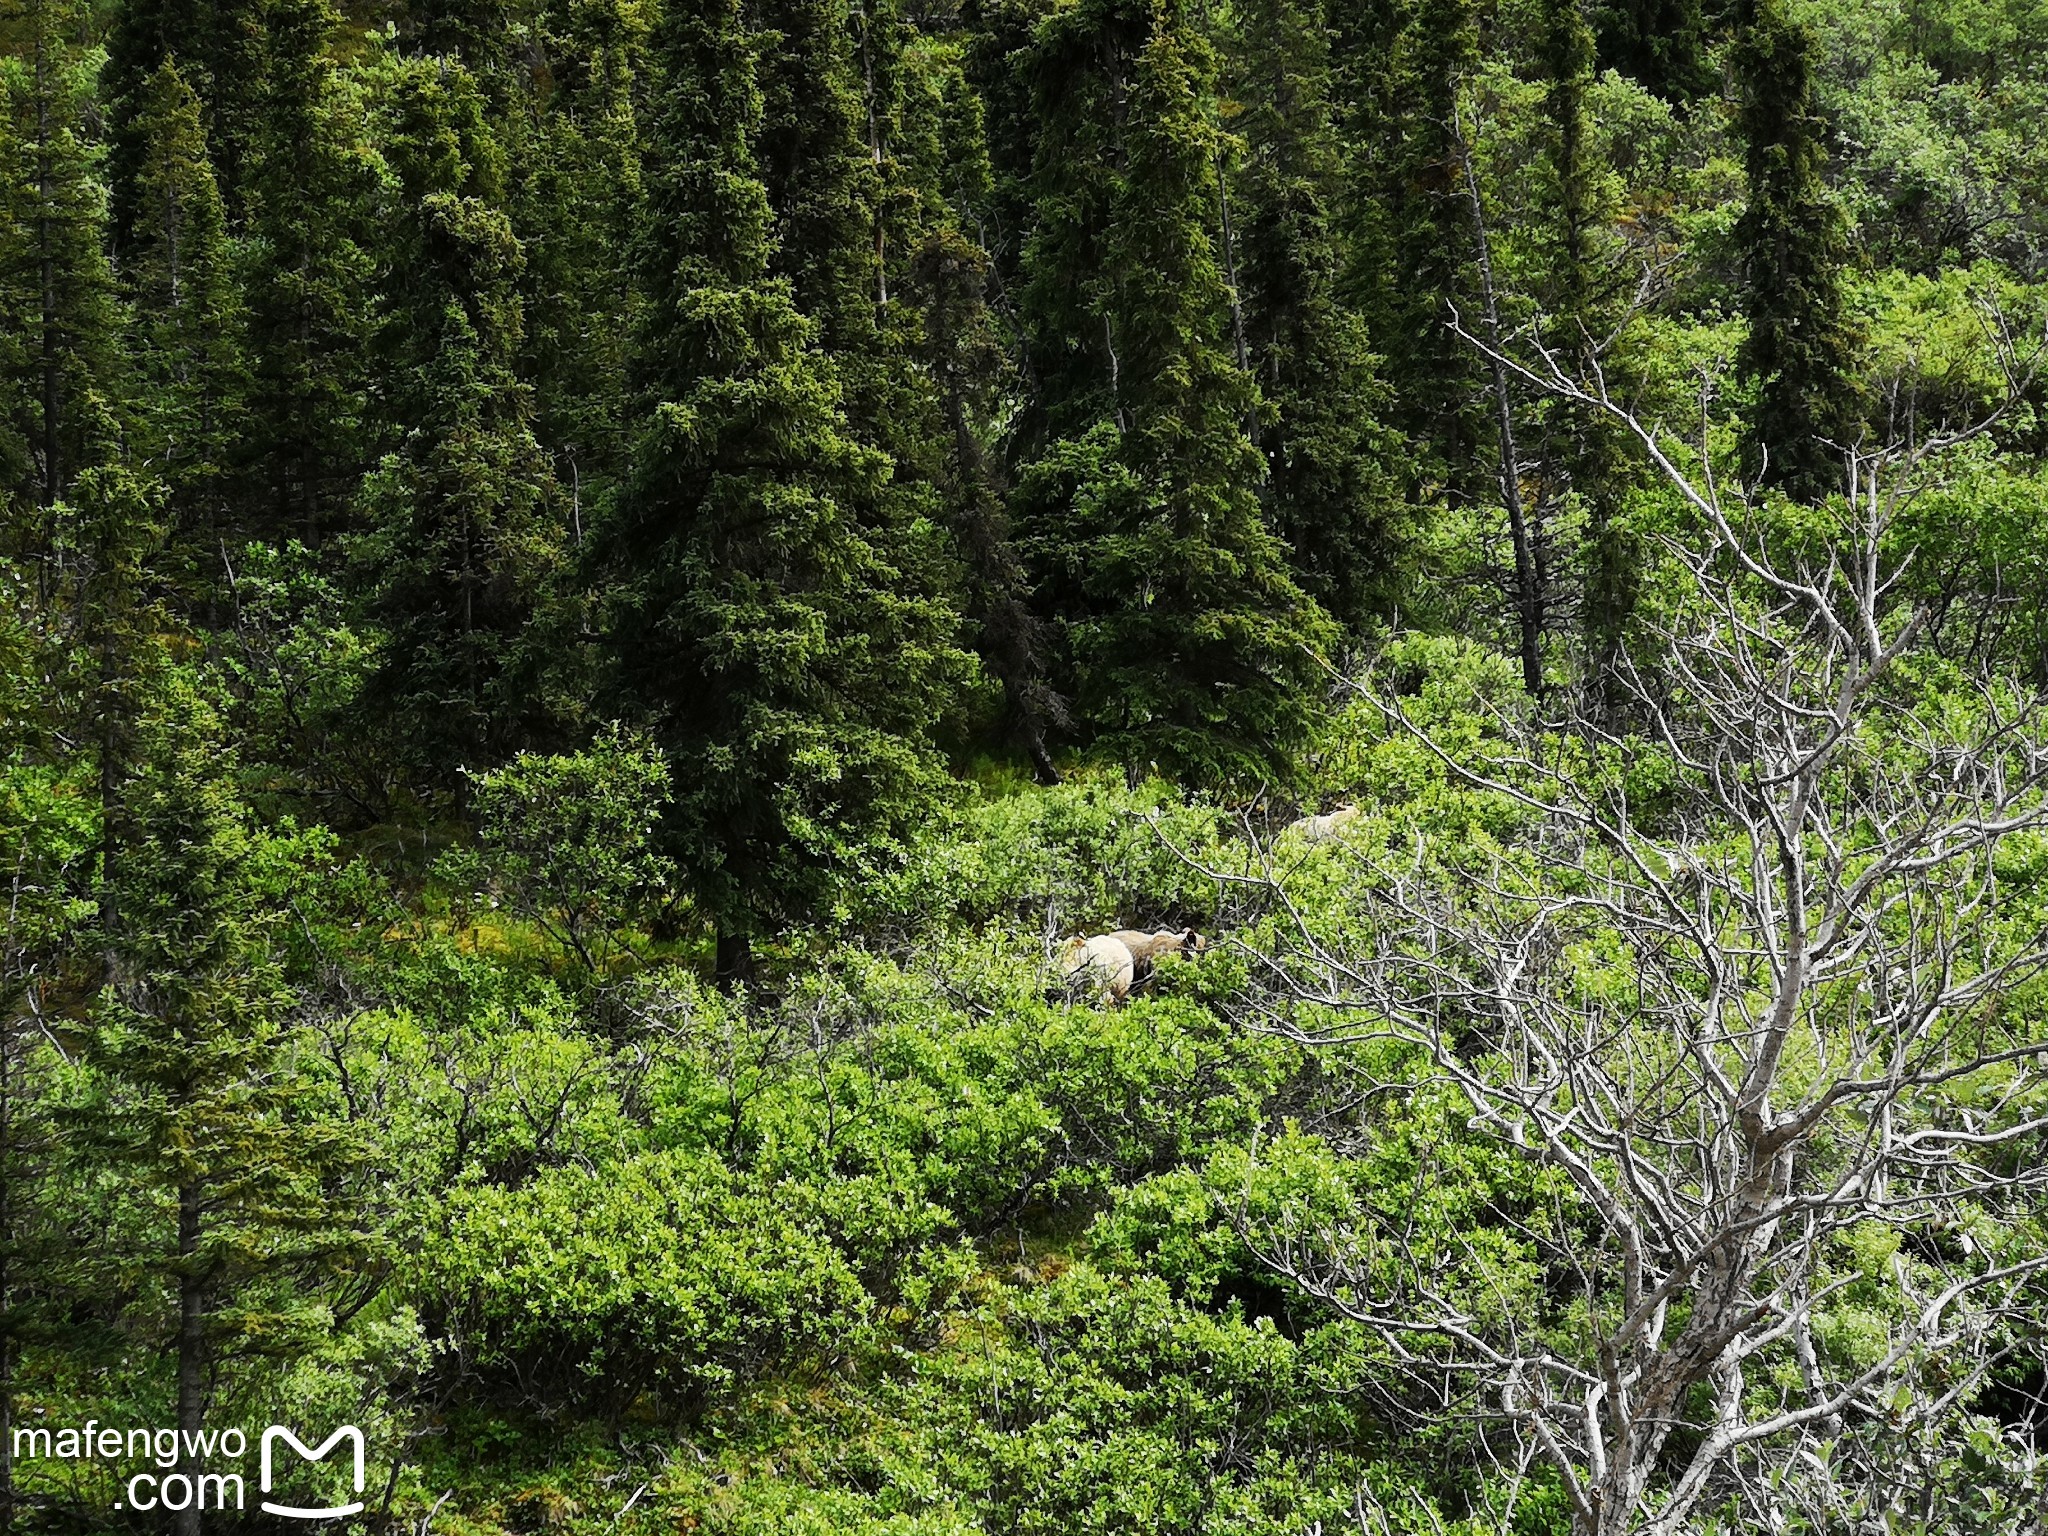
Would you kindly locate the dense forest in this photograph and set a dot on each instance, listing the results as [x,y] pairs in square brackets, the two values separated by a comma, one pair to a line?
[594,592]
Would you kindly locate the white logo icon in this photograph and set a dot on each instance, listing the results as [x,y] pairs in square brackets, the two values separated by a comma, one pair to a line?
[347,1432]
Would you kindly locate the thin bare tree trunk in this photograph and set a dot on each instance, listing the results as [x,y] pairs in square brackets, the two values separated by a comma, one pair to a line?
[191,1349]
[1529,614]
[7,1091]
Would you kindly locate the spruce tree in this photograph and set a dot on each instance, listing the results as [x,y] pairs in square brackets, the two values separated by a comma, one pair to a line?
[921,152]
[22,528]
[1328,489]
[219,47]
[56,291]
[189,321]
[479,33]
[1798,351]
[939,376]
[310,293]
[964,355]
[1660,44]
[819,170]
[1566,48]
[109,538]
[575,201]
[46,847]
[1190,644]
[1411,237]
[848,214]
[462,538]
[190,1093]
[792,672]
[69,699]
[998,35]
[41,843]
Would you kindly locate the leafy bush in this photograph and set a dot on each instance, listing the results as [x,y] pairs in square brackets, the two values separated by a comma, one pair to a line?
[665,1270]
[568,840]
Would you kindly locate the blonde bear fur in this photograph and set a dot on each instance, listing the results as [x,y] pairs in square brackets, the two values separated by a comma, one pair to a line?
[1324,828]
[1105,964]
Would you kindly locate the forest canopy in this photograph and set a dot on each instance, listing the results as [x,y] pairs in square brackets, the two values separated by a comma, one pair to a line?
[1025,766]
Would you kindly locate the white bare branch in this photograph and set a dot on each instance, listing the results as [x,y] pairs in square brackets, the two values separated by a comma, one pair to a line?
[1818,1079]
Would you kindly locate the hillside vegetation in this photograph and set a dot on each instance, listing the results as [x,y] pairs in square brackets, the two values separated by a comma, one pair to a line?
[592,592]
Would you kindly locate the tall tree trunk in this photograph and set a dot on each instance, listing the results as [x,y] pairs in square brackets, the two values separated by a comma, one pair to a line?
[1528,575]
[1237,336]
[1042,765]
[733,965]
[7,1090]
[191,1350]
[45,244]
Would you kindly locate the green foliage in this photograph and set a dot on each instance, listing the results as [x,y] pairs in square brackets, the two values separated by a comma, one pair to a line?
[1190,645]
[761,616]
[575,195]
[569,840]
[819,172]
[1661,44]
[310,273]
[57,301]
[1089,853]
[291,670]
[464,537]
[1412,238]
[182,282]
[1330,491]
[221,53]
[1798,349]
[951,278]
[570,1277]
[681,1125]
[191,1085]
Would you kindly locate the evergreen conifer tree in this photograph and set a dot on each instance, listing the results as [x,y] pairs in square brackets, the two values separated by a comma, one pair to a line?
[923,153]
[482,34]
[967,366]
[848,213]
[190,1092]
[46,846]
[220,50]
[57,295]
[937,377]
[1328,489]
[1660,44]
[1581,294]
[574,163]
[820,174]
[23,521]
[1410,223]
[1798,351]
[462,536]
[1191,646]
[998,35]
[41,842]
[792,668]
[189,322]
[109,536]
[310,293]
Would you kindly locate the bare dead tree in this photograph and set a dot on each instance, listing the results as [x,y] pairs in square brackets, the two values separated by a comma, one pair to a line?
[1770,1034]
[1528,574]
